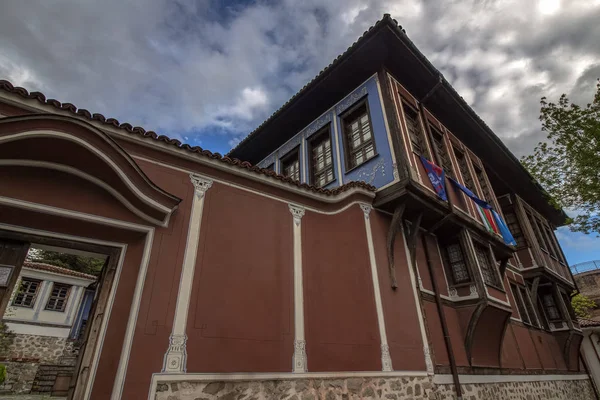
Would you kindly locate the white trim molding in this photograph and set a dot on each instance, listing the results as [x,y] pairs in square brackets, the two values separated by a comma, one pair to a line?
[176,356]
[299,360]
[386,359]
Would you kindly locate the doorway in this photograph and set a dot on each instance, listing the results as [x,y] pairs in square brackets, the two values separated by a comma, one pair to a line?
[53,296]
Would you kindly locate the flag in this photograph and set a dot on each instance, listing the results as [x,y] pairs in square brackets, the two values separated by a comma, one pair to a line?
[490,218]
[436,177]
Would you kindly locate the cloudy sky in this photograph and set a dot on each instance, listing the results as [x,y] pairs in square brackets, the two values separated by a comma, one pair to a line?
[208,72]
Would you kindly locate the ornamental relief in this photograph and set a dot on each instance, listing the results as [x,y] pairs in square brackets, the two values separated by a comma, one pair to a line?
[315,126]
[351,99]
[295,141]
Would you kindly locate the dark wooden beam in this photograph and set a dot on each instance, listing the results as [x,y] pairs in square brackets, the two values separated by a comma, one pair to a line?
[534,290]
[391,239]
[415,225]
[503,264]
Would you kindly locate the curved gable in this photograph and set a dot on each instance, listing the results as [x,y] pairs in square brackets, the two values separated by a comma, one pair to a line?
[71,146]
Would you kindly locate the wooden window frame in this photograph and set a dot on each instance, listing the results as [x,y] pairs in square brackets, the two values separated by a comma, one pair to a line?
[343,118]
[35,294]
[482,180]
[508,210]
[520,303]
[561,317]
[433,131]
[51,297]
[497,284]
[425,150]
[457,150]
[449,265]
[292,154]
[317,137]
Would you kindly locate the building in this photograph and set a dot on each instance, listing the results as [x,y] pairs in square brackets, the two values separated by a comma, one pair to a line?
[590,347]
[274,272]
[47,310]
[587,278]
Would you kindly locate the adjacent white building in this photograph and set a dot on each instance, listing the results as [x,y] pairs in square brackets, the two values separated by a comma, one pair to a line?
[49,301]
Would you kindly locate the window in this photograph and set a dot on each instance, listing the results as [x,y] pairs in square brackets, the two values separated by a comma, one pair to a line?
[457,264]
[358,136]
[520,306]
[461,158]
[536,231]
[321,159]
[515,228]
[58,297]
[528,305]
[27,293]
[542,314]
[568,306]
[290,165]
[415,132]
[551,243]
[442,157]
[551,307]
[271,167]
[485,189]
[487,267]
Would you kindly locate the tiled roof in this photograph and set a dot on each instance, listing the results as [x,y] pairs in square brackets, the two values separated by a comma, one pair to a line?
[588,323]
[82,113]
[57,270]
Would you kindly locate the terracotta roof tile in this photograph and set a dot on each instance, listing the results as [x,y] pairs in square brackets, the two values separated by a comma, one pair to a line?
[139,131]
[57,270]
[588,323]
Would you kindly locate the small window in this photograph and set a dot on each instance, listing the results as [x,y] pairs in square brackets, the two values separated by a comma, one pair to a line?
[58,297]
[485,189]
[415,132]
[520,304]
[27,293]
[457,264]
[514,227]
[358,136]
[487,267]
[529,305]
[442,157]
[463,167]
[551,308]
[271,167]
[536,231]
[290,165]
[321,161]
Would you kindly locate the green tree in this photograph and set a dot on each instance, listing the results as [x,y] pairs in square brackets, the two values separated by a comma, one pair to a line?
[568,164]
[87,265]
[582,305]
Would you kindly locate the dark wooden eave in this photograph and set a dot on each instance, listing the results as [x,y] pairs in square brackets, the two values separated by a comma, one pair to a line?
[387,45]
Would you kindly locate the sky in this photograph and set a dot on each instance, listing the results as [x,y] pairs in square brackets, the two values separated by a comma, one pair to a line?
[209,72]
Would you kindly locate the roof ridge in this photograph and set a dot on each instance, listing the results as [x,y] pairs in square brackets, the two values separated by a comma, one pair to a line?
[139,131]
[34,264]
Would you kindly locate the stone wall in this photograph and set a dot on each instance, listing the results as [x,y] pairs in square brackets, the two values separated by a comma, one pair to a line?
[19,376]
[417,388]
[43,349]
[589,285]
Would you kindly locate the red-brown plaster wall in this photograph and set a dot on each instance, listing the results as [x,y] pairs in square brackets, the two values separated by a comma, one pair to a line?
[241,312]
[511,356]
[527,347]
[399,307]
[437,338]
[543,348]
[340,315]
[157,306]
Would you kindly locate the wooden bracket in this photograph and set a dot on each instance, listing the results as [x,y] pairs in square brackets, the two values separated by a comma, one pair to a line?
[503,264]
[415,225]
[534,290]
[391,239]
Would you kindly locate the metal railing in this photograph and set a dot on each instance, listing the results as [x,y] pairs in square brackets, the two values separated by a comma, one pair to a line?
[585,267]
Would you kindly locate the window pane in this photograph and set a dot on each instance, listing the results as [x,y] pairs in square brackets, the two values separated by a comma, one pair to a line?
[519,302]
[458,266]
[414,131]
[444,159]
[464,170]
[57,300]
[487,267]
[26,294]
[322,159]
[528,305]
[291,166]
[551,307]
[359,138]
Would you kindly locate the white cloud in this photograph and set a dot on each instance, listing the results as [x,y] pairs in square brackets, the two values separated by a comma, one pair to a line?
[183,67]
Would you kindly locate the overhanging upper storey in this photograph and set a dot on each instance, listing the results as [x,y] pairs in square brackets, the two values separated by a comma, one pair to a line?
[386,47]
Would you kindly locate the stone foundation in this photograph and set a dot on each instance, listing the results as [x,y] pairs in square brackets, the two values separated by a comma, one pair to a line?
[388,388]
[44,349]
[19,376]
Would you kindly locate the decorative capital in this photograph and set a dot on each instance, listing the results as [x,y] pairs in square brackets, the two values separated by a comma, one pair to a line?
[473,290]
[297,213]
[299,358]
[201,185]
[386,359]
[366,209]
[453,293]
